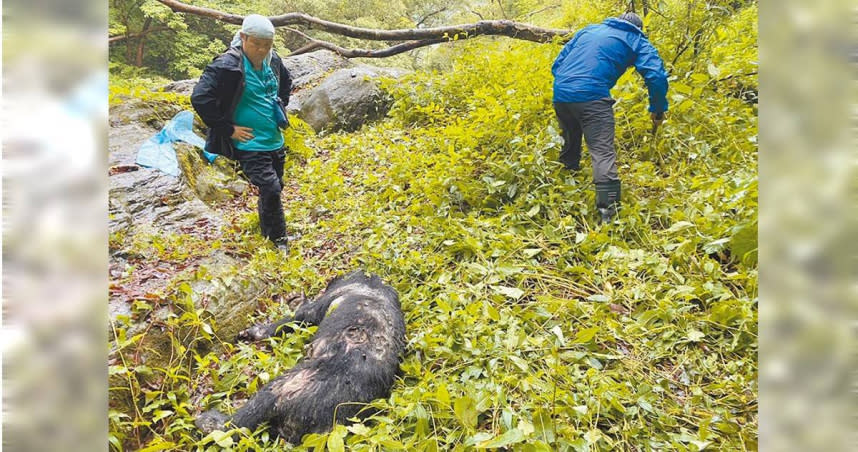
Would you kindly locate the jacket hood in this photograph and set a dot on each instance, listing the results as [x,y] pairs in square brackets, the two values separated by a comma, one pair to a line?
[229,60]
[232,60]
[622,25]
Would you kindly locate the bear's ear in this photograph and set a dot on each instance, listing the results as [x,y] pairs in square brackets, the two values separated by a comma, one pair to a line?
[295,300]
[255,333]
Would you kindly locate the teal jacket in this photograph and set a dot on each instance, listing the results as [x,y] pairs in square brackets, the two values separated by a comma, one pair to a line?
[218,92]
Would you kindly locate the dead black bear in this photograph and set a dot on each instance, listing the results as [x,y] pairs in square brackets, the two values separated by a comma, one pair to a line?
[353,357]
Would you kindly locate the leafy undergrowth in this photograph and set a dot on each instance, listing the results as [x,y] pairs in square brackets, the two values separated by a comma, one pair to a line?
[529,326]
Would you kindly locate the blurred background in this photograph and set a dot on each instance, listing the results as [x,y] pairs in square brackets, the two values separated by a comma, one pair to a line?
[54,225]
[807,221]
[54,174]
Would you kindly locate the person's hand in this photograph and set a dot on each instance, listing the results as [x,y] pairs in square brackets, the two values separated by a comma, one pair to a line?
[657,118]
[242,133]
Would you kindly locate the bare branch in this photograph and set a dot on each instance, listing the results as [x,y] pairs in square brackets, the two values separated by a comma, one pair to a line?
[735,76]
[119,38]
[299,33]
[542,10]
[508,28]
[433,13]
[366,53]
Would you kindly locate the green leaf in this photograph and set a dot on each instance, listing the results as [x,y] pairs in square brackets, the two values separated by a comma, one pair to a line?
[159,444]
[442,395]
[358,429]
[143,370]
[511,292]
[599,298]
[465,409]
[335,439]
[593,435]
[586,335]
[701,445]
[680,88]
[115,442]
[161,414]
[492,311]
[221,438]
[695,336]
[559,333]
[680,225]
[525,427]
[512,436]
[713,70]
[715,246]
[743,244]
[477,438]
[530,252]
[392,443]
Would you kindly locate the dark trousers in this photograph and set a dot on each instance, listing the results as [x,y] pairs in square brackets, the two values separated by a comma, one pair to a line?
[265,171]
[595,121]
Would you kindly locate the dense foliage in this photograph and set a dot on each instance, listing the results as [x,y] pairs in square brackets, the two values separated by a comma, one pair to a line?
[529,327]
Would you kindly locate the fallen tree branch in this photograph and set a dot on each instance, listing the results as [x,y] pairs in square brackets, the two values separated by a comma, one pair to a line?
[314,44]
[366,53]
[516,30]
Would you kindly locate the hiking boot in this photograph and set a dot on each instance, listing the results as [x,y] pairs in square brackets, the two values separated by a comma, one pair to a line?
[607,200]
[282,244]
[606,214]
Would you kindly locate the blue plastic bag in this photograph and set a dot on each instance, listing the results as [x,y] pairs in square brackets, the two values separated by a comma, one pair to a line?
[157,152]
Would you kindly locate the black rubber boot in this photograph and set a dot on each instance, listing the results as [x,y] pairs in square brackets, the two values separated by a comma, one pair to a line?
[607,200]
[281,244]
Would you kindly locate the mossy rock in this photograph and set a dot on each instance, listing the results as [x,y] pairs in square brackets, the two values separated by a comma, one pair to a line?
[211,182]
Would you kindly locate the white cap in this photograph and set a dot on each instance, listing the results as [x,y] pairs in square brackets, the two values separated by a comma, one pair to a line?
[258,27]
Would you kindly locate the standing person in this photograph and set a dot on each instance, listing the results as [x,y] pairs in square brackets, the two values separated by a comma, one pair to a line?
[584,73]
[237,98]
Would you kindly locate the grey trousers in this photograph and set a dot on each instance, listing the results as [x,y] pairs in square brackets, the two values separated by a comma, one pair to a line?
[595,121]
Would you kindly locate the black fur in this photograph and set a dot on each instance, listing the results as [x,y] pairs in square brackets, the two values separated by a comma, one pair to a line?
[352,359]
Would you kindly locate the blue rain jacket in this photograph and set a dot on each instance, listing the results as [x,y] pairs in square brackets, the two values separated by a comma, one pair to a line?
[591,63]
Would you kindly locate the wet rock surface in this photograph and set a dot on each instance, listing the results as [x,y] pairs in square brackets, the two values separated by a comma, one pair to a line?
[348,99]
[152,217]
[145,198]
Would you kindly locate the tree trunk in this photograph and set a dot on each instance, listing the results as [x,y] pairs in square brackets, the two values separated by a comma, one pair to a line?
[142,42]
[129,56]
